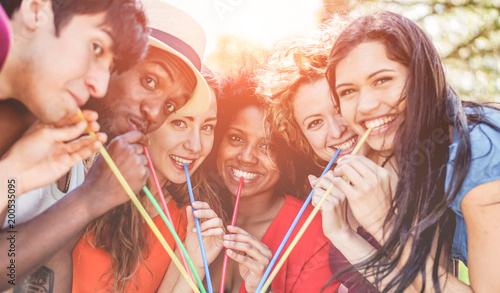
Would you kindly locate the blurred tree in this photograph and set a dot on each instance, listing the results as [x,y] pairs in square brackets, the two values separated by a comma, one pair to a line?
[466,33]
[232,53]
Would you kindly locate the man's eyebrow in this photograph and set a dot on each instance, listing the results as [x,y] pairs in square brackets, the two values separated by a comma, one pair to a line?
[165,68]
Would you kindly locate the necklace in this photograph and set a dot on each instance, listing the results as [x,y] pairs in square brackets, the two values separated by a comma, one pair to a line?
[68,180]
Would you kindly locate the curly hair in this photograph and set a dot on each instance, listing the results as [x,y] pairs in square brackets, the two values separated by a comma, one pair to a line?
[238,92]
[292,65]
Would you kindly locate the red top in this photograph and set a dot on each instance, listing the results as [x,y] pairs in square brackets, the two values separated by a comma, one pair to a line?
[90,264]
[307,268]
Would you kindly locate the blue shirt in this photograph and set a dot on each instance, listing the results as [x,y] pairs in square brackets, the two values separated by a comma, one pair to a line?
[484,167]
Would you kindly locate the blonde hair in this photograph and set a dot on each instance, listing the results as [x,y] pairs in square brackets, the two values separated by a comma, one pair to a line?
[292,65]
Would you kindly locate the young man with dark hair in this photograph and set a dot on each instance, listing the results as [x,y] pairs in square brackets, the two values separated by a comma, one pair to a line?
[61,53]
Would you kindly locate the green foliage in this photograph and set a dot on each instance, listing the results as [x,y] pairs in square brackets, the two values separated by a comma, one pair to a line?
[466,33]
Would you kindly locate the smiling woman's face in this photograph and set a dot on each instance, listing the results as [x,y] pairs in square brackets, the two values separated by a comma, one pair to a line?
[182,139]
[370,95]
[320,123]
[245,152]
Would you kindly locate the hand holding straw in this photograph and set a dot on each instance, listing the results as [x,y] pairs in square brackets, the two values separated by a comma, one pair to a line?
[233,222]
[198,231]
[308,221]
[164,204]
[177,239]
[138,205]
[294,223]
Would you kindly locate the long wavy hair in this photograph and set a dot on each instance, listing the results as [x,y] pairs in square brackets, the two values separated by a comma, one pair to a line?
[121,233]
[419,210]
[292,65]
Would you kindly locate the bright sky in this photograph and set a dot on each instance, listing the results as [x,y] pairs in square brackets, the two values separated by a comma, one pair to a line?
[263,21]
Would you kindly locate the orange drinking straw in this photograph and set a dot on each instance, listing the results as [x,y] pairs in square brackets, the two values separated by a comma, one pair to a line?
[163,203]
[233,222]
[308,221]
[139,206]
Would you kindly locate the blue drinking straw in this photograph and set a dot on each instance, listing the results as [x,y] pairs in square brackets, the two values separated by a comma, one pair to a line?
[290,230]
[198,231]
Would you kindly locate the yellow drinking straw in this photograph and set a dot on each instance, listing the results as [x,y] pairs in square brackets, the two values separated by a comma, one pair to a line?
[139,206]
[307,222]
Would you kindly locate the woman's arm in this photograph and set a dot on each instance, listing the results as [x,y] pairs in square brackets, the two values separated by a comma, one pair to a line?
[481,210]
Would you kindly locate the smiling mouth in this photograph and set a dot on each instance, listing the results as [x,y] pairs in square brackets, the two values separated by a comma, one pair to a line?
[346,144]
[380,122]
[180,161]
[245,175]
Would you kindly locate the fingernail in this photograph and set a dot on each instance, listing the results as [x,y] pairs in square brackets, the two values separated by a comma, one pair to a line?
[194,230]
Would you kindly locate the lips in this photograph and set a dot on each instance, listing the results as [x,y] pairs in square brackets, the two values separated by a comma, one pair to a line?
[380,122]
[181,161]
[347,145]
[138,124]
[80,100]
[246,175]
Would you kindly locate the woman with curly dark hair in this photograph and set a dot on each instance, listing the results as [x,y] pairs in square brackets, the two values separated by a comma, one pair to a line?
[248,150]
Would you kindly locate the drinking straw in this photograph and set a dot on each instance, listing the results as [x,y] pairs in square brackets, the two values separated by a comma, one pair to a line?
[138,205]
[177,239]
[198,231]
[233,222]
[164,205]
[308,221]
[294,223]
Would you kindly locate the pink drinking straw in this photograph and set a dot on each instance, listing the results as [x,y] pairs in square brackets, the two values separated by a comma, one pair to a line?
[164,204]
[233,222]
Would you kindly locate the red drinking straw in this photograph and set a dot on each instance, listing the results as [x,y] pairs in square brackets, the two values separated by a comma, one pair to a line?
[233,222]
[164,204]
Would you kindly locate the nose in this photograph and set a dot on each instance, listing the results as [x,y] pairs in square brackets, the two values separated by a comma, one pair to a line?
[247,155]
[336,127]
[150,110]
[97,80]
[193,141]
[367,101]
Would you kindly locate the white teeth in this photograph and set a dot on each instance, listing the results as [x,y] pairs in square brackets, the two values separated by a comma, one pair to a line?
[379,122]
[346,145]
[180,161]
[245,175]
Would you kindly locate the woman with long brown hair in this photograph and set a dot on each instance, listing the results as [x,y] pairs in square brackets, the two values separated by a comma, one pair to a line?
[444,150]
